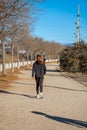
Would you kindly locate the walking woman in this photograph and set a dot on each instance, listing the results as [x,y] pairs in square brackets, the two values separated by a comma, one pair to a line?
[38,71]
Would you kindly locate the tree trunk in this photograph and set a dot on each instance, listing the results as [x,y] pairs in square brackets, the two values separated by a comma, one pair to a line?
[18,58]
[31,58]
[12,56]
[3,58]
[28,58]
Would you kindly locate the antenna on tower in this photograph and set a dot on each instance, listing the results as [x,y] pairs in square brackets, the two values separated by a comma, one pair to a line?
[78,26]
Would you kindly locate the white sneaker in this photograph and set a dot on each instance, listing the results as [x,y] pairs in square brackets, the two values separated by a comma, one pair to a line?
[41,95]
[38,96]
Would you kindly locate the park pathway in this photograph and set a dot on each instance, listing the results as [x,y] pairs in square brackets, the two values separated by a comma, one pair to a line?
[64,106]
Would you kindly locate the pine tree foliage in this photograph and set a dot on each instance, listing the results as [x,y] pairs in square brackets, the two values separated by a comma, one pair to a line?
[74,58]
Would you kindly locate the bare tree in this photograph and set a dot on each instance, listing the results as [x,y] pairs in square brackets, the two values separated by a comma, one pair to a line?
[10,11]
[39,46]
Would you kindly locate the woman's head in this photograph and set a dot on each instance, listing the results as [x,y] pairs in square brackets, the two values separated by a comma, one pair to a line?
[39,58]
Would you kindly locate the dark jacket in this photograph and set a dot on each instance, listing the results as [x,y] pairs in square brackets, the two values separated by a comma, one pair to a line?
[38,69]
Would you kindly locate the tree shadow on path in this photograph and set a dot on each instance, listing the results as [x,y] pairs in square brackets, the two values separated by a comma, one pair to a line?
[73,122]
[16,82]
[25,95]
[48,86]
[67,89]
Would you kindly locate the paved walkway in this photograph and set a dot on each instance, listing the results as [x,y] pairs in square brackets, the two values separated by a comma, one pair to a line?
[64,106]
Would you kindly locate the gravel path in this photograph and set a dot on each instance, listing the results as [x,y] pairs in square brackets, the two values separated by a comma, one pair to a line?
[64,106]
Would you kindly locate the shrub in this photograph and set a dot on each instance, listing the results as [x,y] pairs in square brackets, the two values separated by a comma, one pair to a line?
[74,58]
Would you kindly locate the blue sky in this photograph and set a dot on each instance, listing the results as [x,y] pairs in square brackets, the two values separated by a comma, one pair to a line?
[57,21]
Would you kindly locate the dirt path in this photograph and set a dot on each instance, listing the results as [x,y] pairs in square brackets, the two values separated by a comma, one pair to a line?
[64,106]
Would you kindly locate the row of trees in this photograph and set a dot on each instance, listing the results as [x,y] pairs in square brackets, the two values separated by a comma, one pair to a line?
[13,17]
[74,58]
[16,24]
[37,45]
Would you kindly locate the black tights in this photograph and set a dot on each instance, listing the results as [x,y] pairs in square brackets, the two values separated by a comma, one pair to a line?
[39,84]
